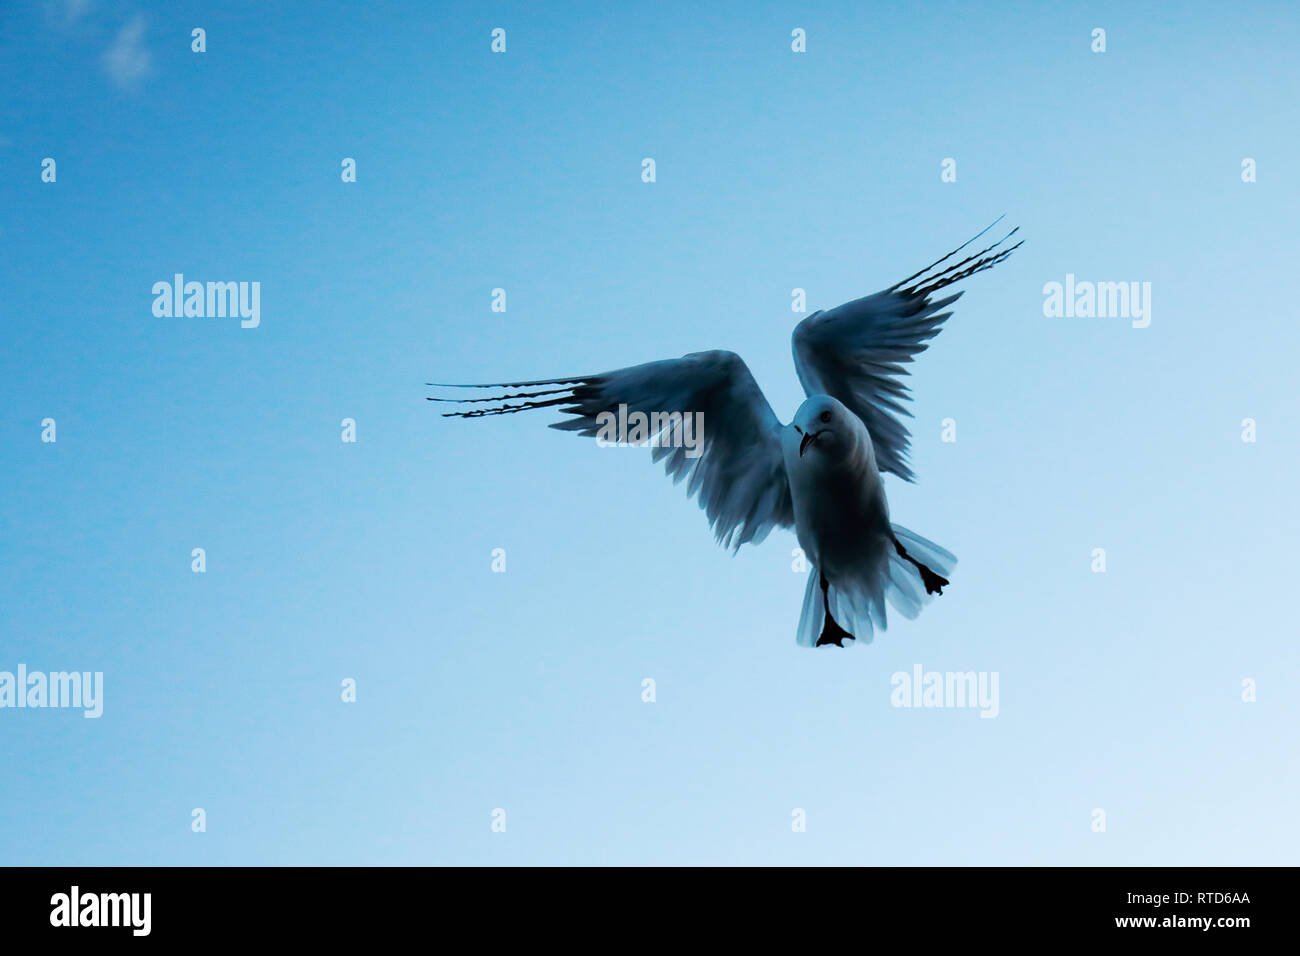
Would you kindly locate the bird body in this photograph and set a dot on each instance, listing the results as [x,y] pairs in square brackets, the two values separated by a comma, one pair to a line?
[841,520]
[820,475]
[841,514]
[838,496]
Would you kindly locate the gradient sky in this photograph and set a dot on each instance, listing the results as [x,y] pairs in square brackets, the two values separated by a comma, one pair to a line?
[522,690]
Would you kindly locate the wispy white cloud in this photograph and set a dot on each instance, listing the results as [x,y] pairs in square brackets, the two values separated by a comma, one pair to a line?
[67,14]
[74,10]
[126,61]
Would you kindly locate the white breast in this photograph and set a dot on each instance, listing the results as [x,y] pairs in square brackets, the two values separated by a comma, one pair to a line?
[840,511]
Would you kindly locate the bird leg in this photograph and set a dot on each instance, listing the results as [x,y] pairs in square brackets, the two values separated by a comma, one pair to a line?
[934,583]
[832,633]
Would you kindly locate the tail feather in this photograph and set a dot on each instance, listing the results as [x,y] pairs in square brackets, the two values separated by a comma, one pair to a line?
[939,560]
[810,618]
[904,588]
[861,610]
[858,613]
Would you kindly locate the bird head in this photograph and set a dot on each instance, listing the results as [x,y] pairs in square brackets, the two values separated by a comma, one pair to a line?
[825,428]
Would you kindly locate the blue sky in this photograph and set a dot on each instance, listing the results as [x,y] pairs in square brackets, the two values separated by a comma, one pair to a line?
[372,560]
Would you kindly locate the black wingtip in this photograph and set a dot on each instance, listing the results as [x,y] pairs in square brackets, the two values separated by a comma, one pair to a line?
[962,269]
[576,380]
[507,407]
[501,398]
[571,389]
[945,258]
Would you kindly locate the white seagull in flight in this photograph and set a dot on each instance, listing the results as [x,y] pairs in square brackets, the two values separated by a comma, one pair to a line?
[821,473]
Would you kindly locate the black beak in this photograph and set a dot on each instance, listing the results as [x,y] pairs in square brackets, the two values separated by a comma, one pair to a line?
[807,440]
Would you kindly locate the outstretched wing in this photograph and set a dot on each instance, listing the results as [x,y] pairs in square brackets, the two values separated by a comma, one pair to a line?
[736,468]
[856,351]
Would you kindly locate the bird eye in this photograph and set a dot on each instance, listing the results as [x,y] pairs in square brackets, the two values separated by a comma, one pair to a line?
[825,416]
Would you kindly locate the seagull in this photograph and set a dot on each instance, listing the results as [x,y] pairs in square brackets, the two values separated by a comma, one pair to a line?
[822,473]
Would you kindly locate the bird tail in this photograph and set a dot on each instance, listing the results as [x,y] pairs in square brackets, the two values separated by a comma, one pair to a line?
[859,610]
[859,606]
[810,618]
[904,587]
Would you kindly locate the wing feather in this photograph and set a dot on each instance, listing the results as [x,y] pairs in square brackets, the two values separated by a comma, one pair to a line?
[737,472]
[858,352]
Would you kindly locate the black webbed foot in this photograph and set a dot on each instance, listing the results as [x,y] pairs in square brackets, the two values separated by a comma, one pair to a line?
[832,633]
[934,583]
